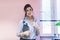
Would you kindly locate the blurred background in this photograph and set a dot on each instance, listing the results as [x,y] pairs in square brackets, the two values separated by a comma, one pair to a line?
[47,11]
[11,12]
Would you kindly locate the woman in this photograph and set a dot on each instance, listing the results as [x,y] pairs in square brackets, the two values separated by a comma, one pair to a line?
[31,25]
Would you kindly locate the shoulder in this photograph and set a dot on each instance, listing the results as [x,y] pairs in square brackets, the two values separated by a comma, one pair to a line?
[36,19]
[21,21]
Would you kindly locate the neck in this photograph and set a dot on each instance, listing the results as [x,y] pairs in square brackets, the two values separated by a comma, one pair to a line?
[30,18]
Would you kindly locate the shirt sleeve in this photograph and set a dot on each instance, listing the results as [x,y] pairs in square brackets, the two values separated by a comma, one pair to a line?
[38,22]
[20,26]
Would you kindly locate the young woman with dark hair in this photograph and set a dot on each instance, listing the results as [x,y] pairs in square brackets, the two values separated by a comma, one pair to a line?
[29,26]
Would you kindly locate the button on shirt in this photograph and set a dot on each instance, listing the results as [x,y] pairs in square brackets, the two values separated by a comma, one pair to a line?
[33,31]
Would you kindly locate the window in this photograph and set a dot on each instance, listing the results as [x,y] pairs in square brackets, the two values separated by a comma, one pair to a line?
[58,15]
[49,15]
[58,9]
[45,16]
[46,10]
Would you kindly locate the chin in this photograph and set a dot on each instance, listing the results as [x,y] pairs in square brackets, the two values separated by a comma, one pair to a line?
[30,15]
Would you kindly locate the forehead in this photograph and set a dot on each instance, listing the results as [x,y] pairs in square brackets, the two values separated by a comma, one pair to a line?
[28,8]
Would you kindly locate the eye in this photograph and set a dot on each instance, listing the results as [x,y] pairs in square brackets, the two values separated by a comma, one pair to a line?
[30,10]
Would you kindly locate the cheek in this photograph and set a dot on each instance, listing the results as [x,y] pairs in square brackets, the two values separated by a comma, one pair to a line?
[27,13]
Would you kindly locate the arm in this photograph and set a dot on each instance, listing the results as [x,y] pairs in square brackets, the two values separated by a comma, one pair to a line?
[26,33]
[20,26]
[20,32]
[36,25]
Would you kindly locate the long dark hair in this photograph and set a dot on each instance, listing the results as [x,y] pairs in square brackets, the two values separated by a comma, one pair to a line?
[25,7]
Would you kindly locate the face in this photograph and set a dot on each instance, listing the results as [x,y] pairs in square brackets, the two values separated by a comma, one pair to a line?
[29,11]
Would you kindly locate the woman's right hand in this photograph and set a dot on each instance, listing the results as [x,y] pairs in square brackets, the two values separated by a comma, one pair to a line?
[20,34]
[26,33]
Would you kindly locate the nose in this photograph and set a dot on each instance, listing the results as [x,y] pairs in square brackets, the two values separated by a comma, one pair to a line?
[29,12]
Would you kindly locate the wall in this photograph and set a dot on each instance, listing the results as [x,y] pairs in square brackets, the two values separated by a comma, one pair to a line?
[11,11]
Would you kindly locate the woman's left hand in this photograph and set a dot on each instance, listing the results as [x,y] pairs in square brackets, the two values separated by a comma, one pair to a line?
[36,26]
